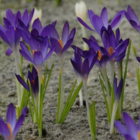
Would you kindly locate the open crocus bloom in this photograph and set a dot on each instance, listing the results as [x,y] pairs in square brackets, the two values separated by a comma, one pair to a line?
[132,18]
[9,34]
[9,129]
[83,68]
[102,21]
[131,131]
[64,42]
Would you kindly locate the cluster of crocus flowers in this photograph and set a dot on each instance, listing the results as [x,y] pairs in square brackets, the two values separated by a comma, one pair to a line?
[9,129]
[11,37]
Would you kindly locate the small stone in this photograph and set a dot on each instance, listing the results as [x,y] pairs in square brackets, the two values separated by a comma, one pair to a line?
[11,93]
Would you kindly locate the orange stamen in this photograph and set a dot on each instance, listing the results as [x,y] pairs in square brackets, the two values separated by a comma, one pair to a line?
[33,51]
[10,130]
[99,55]
[138,135]
[33,81]
[61,43]
[110,50]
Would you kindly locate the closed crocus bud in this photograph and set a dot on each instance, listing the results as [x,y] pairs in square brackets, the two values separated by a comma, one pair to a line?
[81,10]
[37,14]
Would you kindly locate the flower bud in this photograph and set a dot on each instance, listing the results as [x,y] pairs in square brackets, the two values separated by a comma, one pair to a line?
[81,10]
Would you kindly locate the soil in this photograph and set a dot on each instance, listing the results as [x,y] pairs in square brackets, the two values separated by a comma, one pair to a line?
[75,126]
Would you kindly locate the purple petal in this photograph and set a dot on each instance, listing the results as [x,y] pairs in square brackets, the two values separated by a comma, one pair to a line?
[68,44]
[25,49]
[6,22]
[117,36]
[11,116]
[90,14]
[72,33]
[9,51]
[19,78]
[65,33]
[4,131]
[38,58]
[54,23]
[31,15]
[19,122]
[97,23]
[37,25]
[130,125]
[76,67]
[132,14]
[53,32]
[85,68]
[104,17]
[138,58]
[25,55]
[84,24]
[121,128]
[117,19]
[10,16]
[25,17]
[93,61]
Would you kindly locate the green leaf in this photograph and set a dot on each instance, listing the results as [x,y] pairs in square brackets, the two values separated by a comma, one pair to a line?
[46,83]
[125,73]
[138,79]
[102,86]
[68,101]
[71,101]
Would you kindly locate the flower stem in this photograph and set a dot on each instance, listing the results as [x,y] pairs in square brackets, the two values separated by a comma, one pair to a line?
[62,90]
[80,93]
[86,98]
[115,106]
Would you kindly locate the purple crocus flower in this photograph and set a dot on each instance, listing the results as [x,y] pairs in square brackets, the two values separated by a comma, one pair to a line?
[9,34]
[9,129]
[118,89]
[83,68]
[102,54]
[132,18]
[38,32]
[64,42]
[102,21]
[131,131]
[115,46]
[39,51]
[33,77]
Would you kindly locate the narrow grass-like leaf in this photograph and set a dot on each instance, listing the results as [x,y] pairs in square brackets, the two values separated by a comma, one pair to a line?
[46,85]
[72,101]
[67,102]
[102,86]
[21,71]
[31,110]
[125,73]
[134,50]
[138,80]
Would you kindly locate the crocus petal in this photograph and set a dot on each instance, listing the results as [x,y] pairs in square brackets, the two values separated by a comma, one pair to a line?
[37,25]
[11,116]
[117,19]
[121,128]
[93,61]
[6,22]
[54,23]
[130,125]
[72,33]
[85,68]
[26,56]
[31,15]
[53,32]
[25,17]
[9,51]
[10,16]
[84,24]
[38,58]
[4,131]
[68,44]
[132,14]
[117,36]
[90,14]
[76,67]
[97,23]
[19,78]
[138,58]
[19,122]
[104,17]
[4,37]
[65,32]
